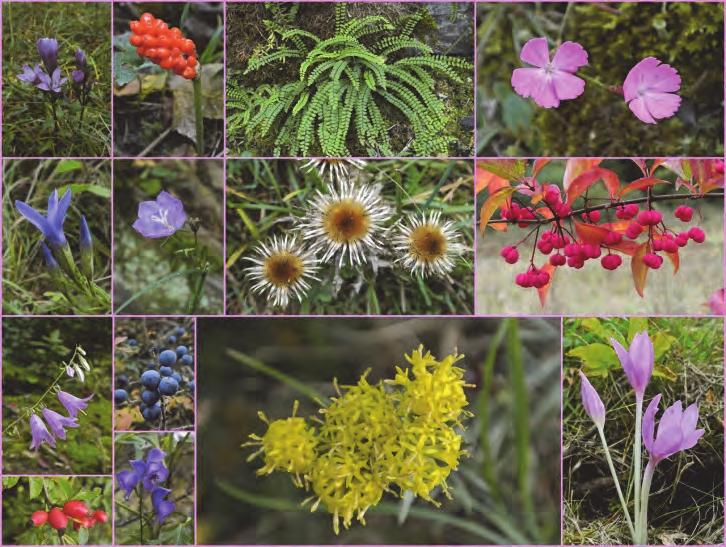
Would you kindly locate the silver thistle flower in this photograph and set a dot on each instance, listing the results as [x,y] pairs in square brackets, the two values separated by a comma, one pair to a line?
[333,169]
[428,245]
[347,221]
[282,268]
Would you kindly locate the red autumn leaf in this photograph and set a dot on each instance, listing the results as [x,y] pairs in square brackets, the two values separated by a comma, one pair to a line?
[590,233]
[617,226]
[626,247]
[575,167]
[484,180]
[545,212]
[640,184]
[578,186]
[544,291]
[639,269]
[538,165]
[492,203]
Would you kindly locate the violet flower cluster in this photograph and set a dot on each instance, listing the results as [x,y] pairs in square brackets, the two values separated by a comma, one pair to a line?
[56,423]
[148,476]
[649,89]
[675,432]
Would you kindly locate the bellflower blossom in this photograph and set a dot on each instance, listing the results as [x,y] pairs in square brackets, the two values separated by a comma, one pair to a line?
[73,404]
[592,402]
[676,430]
[51,225]
[58,423]
[637,361]
[39,433]
[550,81]
[161,217]
[649,89]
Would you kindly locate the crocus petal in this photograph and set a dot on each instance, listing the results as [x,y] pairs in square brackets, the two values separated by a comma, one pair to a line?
[567,86]
[642,357]
[569,57]
[648,430]
[591,401]
[689,419]
[624,358]
[690,440]
[668,439]
[536,52]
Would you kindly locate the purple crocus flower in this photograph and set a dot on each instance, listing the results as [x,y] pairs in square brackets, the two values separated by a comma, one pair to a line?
[72,403]
[51,84]
[48,51]
[637,361]
[30,75]
[39,433]
[676,430]
[592,402]
[162,507]
[58,423]
[160,218]
[51,225]
[129,478]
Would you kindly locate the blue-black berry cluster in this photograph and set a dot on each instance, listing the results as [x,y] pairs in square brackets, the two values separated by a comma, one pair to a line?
[167,363]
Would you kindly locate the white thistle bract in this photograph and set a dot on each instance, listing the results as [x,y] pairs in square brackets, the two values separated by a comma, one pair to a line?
[282,268]
[427,245]
[333,169]
[347,222]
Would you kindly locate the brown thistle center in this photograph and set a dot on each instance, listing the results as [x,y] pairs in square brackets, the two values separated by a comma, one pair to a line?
[346,221]
[283,269]
[427,243]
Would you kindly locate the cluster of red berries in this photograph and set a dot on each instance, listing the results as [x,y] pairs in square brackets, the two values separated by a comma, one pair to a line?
[74,511]
[165,46]
[564,250]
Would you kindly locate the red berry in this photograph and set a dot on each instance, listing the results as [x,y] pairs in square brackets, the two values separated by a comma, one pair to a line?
[718,166]
[147,18]
[575,262]
[540,279]
[552,196]
[100,516]
[39,518]
[653,260]
[57,519]
[187,46]
[697,235]
[682,239]
[611,262]
[136,40]
[683,213]
[523,280]
[633,230]
[509,254]
[626,212]
[591,251]
[189,73]
[592,216]
[545,245]
[657,245]
[76,509]
[558,260]
[191,61]
[573,249]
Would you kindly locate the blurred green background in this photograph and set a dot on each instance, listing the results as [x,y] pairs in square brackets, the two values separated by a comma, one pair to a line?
[686,501]
[686,35]
[27,286]
[24,495]
[506,492]
[33,351]
[141,264]
[178,528]
[27,118]
[594,290]
[264,197]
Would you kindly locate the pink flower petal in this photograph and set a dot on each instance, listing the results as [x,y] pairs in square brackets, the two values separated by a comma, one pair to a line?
[534,82]
[536,52]
[567,86]
[569,57]
[662,105]
[637,106]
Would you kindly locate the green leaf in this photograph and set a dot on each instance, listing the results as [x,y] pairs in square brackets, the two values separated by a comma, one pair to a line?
[96,189]
[82,536]
[595,326]
[9,482]
[66,166]
[662,342]
[636,325]
[597,358]
[36,487]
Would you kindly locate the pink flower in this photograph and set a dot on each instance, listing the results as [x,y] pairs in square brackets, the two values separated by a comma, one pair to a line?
[592,402]
[676,430]
[649,89]
[637,361]
[551,82]
[717,302]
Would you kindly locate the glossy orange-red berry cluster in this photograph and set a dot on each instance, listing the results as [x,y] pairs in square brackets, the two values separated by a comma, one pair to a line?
[165,46]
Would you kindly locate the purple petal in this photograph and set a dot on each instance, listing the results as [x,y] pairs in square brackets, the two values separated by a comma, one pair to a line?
[569,57]
[536,52]
[567,86]
[39,433]
[648,430]
[534,82]
[640,109]
[127,480]
[38,220]
[58,423]
[591,401]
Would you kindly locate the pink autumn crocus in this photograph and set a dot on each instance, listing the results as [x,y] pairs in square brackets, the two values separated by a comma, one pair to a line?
[551,81]
[592,402]
[637,361]
[676,430]
[649,89]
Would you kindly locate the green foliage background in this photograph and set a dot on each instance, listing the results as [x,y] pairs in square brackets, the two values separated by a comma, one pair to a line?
[33,350]
[686,35]
[27,287]
[27,118]
[178,528]
[686,502]
[24,495]
[141,263]
[264,196]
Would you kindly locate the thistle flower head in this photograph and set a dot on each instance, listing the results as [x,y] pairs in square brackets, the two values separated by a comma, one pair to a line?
[428,245]
[333,169]
[282,268]
[347,221]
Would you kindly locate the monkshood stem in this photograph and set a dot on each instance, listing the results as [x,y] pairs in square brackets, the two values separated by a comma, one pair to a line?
[612,205]
[139,493]
[644,495]
[198,118]
[637,451]
[617,483]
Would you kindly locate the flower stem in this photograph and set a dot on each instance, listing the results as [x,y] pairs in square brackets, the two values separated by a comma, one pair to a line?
[198,118]
[644,495]
[636,460]
[617,483]
[141,512]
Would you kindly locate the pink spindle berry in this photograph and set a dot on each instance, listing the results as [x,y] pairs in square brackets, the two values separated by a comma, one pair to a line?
[523,280]
[653,260]
[540,279]
[657,245]
[669,244]
[576,262]
[718,166]
[572,249]
[683,213]
[697,235]
[626,212]
[510,254]
[611,262]
[633,230]
[682,239]
[545,245]
[592,216]
[559,241]
[558,260]
[563,210]
[591,251]
[649,218]
[612,238]
[552,196]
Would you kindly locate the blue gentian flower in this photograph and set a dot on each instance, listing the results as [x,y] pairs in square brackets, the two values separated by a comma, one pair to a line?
[30,75]
[163,508]
[86,241]
[50,261]
[51,226]
[161,217]
[51,84]
[48,51]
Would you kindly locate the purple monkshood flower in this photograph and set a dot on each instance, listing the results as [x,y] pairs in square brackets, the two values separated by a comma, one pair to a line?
[149,473]
[592,402]
[156,473]
[637,361]
[58,423]
[52,84]
[31,75]
[129,478]
[48,51]
[39,433]
[72,403]
[51,225]
[676,430]
[163,508]
[160,218]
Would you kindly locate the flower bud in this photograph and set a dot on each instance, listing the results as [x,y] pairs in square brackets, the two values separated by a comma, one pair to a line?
[591,401]
[86,246]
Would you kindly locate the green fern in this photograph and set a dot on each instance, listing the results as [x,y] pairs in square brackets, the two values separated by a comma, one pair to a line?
[347,87]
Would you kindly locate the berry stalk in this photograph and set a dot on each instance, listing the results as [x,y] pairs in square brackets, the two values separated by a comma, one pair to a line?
[198,118]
